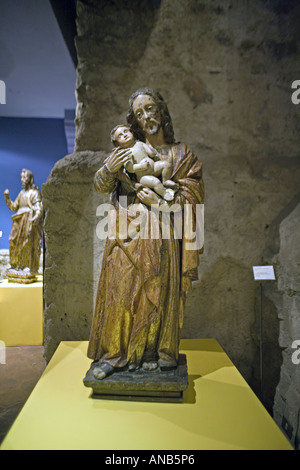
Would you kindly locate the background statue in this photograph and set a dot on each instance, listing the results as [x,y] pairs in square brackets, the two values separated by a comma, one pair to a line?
[26,233]
[143,283]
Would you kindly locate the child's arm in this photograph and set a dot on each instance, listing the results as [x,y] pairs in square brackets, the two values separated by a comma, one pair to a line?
[129,166]
[134,167]
[152,152]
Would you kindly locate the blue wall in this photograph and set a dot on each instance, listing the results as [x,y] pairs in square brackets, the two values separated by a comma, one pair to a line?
[35,144]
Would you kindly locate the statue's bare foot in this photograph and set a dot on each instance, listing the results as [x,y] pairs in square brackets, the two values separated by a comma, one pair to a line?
[171,184]
[150,365]
[169,195]
[102,371]
[132,367]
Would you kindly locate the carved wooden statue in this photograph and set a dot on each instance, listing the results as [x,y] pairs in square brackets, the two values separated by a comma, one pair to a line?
[26,233]
[145,163]
[143,283]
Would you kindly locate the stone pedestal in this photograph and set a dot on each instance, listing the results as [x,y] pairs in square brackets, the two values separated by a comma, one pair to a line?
[141,385]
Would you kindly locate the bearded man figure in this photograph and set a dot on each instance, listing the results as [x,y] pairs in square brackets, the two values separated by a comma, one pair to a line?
[26,233]
[143,283]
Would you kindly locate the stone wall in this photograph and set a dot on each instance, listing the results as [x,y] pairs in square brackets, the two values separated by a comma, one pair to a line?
[70,204]
[225,68]
[287,298]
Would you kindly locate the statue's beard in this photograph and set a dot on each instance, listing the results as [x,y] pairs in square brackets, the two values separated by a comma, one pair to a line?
[25,185]
[152,127]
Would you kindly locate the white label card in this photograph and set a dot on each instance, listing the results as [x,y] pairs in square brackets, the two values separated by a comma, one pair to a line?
[263,273]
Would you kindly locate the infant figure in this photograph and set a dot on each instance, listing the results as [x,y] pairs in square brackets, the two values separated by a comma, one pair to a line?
[145,163]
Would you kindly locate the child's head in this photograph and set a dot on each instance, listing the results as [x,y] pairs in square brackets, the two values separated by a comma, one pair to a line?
[121,136]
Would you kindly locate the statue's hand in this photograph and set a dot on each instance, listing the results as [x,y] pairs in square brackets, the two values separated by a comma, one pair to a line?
[144,164]
[148,197]
[6,194]
[117,159]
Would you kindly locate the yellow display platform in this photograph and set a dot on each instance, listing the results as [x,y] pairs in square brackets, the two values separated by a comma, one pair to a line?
[21,313]
[219,410]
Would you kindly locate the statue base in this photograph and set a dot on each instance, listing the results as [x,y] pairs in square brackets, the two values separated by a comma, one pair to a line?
[20,276]
[141,385]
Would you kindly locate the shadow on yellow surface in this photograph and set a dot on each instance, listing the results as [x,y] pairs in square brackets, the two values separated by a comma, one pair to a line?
[219,410]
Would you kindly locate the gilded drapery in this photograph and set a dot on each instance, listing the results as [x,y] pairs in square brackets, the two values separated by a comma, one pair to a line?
[140,299]
[25,237]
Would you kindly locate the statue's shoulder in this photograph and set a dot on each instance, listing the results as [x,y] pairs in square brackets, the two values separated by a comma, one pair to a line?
[182,150]
[34,191]
[34,194]
[186,156]
[138,146]
[186,148]
[139,143]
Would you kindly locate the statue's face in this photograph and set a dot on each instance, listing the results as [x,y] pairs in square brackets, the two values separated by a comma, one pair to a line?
[124,137]
[147,114]
[25,179]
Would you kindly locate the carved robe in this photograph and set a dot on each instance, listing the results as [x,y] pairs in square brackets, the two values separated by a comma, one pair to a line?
[140,300]
[25,237]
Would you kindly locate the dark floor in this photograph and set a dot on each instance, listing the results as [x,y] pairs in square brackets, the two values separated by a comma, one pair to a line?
[18,377]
